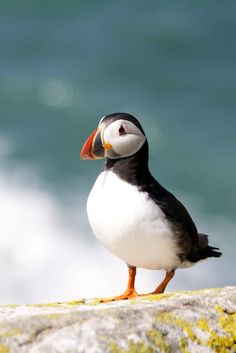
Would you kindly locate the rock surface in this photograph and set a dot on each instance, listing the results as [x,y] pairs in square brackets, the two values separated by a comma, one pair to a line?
[201,321]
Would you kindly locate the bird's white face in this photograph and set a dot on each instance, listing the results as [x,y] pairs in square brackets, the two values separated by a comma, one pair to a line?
[121,138]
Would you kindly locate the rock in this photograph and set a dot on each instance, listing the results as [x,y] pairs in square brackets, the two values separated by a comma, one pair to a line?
[200,321]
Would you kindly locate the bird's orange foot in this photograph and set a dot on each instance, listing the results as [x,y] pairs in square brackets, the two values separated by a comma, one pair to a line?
[128,294]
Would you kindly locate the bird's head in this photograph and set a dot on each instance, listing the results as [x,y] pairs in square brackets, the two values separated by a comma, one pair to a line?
[118,135]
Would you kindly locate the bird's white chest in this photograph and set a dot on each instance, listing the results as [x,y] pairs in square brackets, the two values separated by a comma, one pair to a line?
[131,225]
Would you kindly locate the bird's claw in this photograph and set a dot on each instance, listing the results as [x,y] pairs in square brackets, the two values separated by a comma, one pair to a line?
[125,296]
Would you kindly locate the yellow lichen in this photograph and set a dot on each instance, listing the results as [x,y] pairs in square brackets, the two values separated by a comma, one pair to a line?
[58,304]
[155,297]
[114,348]
[14,331]
[76,302]
[183,345]
[133,347]
[221,344]
[198,291]
[158,340]
[4,349]
[53,316]
[203,325]
[228,325]
[10,306]
[223,339]
[165,317]
[45,305]
[186,327]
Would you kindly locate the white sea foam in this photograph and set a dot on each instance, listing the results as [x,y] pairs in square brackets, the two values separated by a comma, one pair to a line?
[43,258]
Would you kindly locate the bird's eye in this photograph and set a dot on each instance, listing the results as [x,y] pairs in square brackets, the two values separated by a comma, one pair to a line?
[122,130]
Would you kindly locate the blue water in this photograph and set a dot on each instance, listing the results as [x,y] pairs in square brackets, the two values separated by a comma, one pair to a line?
[63,65]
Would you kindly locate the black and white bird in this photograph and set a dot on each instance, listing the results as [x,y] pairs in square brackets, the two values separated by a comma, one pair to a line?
[131,214]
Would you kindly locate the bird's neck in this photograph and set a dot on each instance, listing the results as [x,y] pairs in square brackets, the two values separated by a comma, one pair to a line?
[133,169]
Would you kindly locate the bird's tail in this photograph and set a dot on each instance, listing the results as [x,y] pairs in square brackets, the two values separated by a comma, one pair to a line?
[209,251]
[204,251]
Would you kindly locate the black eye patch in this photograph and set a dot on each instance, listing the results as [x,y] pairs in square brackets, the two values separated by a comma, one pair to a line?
[122,130]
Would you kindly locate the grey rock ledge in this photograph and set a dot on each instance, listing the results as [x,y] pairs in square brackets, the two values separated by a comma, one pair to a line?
[202,321]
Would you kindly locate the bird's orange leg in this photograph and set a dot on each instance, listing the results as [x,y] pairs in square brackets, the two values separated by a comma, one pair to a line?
[130,292]
[162,286]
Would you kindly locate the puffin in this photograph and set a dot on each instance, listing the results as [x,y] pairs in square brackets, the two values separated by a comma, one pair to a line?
[131,213]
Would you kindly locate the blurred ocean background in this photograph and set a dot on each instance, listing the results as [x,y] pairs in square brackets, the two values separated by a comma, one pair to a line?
[65,64]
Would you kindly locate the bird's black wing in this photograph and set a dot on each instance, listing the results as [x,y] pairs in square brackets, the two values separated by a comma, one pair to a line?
[177,215]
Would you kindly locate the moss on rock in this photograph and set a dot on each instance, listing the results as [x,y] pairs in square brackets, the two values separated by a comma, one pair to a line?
[181,322]
[133,347]
[4,349]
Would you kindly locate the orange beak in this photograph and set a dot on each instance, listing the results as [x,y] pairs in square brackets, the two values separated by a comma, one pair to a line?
[92,148]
